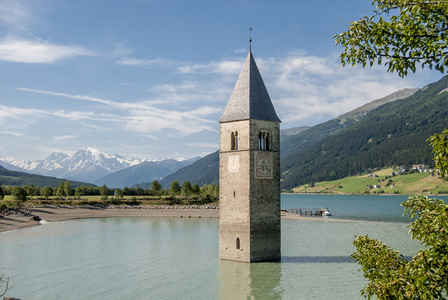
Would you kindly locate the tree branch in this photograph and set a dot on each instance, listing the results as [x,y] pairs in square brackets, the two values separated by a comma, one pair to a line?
[408,4]
[7,288]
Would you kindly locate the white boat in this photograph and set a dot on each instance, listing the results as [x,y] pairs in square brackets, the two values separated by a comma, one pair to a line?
[326,213]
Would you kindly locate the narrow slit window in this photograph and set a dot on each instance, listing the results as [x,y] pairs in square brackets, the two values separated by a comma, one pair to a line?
[238,243]
[232,142]
[236,140]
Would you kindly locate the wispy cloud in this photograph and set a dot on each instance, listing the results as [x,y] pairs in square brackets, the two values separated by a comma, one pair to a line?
[79,97]
[17,134]
[36,51]
[223,67]
[152,120]
[144,62]
[203,145]
[306,88]
[64,137]
[14,13]
[140,117]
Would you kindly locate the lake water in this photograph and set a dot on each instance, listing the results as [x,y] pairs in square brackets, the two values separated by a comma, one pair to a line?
[174,258]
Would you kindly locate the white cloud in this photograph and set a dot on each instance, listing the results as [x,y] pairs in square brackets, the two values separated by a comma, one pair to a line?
[222,68]
[203,145]
[307,90]
[36,51]
[144,62]
[79,97]
[7,112]
[17,134]
[14,12]
[29,115]
[152,137]
[137,117]
[64,137]
[241,50]
[151,120]
[120,49]
[206,110]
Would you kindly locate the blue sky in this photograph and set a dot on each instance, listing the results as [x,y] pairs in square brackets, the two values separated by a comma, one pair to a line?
[151,78]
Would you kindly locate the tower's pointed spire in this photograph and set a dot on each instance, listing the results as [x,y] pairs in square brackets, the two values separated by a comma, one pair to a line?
[249,99]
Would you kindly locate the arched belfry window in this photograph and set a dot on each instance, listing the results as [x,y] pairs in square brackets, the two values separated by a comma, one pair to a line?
[234,140]
[264,140]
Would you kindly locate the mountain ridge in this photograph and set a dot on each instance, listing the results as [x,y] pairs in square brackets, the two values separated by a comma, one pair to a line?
[8,177]
[144,172]
[395,133]
[86,165]
[206,170]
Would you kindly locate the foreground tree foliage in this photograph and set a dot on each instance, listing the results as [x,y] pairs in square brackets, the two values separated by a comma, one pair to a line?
[402,34]
[390,275]
[439,142]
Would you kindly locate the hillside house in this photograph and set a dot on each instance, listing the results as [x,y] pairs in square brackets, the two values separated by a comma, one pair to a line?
[420,168]
[401,171]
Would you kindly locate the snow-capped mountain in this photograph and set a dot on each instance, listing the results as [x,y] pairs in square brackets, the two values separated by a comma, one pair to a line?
[86,165]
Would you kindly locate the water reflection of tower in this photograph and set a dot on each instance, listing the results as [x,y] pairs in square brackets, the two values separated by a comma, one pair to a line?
[249,281]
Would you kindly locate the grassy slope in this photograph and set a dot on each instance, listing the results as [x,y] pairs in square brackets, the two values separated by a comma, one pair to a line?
[417,183]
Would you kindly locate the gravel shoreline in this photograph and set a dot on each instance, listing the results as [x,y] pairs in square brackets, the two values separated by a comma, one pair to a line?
[34,216]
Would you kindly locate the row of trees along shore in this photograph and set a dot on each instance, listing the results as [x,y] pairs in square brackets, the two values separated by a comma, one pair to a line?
[207,193]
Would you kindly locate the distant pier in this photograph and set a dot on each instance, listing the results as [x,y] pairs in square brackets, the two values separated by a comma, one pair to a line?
[309,211]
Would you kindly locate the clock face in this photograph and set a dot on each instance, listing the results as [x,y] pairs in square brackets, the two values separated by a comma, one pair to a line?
[263,166]
[233,164]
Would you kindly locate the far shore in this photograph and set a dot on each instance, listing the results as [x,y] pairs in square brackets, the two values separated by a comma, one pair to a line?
[37,215]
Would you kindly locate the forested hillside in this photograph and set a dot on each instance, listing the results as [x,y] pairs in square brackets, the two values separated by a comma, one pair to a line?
[144,172]
[204,171]
[293,146]
[393,134]
[21,178]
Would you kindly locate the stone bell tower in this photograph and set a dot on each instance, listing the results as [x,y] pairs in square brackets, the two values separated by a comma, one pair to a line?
[249,172]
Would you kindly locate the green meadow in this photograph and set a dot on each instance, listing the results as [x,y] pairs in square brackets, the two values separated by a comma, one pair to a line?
[385,183]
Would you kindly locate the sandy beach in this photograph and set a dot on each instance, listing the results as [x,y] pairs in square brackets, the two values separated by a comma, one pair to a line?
[11,220]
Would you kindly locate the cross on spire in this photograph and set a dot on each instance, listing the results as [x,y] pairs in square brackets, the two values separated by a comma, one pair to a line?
[250,38]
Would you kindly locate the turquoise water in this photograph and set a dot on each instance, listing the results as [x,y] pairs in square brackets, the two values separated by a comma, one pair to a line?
[173,258]
[384,208]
